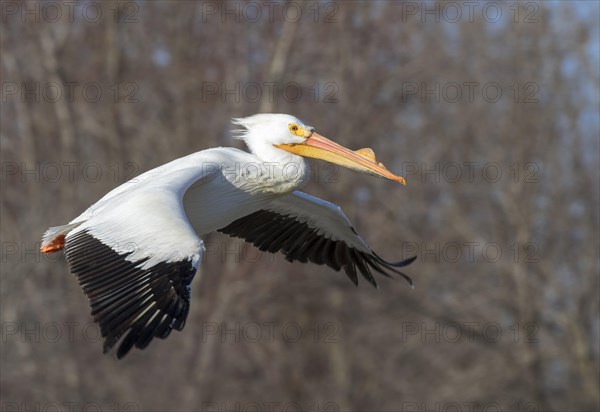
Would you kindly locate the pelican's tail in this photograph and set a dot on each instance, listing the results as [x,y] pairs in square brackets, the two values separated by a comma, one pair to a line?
[54,238]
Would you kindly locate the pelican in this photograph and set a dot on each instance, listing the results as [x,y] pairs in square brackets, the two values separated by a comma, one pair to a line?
[136,250]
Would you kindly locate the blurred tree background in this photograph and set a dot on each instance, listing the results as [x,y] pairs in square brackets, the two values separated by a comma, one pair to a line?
[489,109]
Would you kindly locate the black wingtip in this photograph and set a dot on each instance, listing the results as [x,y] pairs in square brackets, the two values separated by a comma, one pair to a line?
[405,262]
[405,276]
[408,279]
[382,265]
[373,282]
[400,264]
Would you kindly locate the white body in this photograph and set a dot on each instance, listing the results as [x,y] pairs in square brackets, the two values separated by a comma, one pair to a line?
[136,250]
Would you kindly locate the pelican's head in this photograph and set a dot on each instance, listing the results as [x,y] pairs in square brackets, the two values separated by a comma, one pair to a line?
[266,134]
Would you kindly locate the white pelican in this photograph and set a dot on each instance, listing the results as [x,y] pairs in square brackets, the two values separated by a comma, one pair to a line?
[136,250]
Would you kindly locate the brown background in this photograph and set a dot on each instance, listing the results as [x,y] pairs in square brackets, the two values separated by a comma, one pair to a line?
[516,332]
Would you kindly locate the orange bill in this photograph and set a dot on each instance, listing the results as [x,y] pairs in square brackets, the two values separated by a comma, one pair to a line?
[363,160]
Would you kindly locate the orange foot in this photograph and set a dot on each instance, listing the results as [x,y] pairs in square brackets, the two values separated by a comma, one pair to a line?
[58,243]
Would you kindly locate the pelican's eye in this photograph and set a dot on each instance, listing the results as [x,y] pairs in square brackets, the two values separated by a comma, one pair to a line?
[296,130]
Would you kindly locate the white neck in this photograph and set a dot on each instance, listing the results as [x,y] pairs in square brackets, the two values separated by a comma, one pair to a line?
[282,172]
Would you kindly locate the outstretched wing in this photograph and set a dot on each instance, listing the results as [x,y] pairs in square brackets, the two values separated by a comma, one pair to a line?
[135,259]
[306,228]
